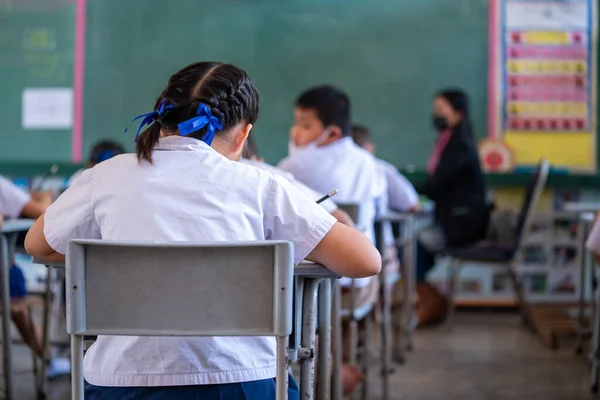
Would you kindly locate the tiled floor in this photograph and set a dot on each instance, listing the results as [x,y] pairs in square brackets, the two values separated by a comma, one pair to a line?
[485,357]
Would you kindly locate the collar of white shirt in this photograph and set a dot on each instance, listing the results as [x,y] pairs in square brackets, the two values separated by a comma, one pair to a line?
[181,143]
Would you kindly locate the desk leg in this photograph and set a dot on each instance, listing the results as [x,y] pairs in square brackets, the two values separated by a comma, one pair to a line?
[5,251]
[411,284]
[385,313]
[324,378]
[337,341]
[402,298]
[46,329]
[297,328]
[309,327]
[385,335]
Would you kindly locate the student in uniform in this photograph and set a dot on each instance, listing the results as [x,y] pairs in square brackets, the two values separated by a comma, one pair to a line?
[401,194]
[323,156]
[102,151]
[16,203]
[250,156]
[185,183]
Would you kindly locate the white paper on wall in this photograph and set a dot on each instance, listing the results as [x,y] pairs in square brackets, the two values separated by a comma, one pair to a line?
[47,108]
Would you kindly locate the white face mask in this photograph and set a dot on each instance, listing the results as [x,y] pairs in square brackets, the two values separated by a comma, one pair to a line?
[293,147]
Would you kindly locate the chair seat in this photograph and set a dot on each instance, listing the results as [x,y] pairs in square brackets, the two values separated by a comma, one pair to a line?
[484,251]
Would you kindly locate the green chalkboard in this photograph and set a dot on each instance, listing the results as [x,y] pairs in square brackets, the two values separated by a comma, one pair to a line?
[391,56]
[36,51]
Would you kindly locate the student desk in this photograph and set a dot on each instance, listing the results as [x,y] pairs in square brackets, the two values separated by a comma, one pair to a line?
[313,302]
[9,232]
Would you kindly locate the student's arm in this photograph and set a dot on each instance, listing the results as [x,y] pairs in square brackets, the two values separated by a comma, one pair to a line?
[37,205]
[347,252]
[37,246]
[290,215]
[70,217]
[14,201]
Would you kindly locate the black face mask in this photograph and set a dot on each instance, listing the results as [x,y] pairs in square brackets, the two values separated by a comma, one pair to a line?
[439,123]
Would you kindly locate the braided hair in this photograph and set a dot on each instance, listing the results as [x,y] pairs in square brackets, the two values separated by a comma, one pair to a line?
[226,89]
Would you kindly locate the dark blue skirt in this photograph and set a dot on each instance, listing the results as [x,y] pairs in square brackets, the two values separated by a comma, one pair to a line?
[254,390]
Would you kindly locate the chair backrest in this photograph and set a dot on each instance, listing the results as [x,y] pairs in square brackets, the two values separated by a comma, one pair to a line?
[180,289]
[533,192]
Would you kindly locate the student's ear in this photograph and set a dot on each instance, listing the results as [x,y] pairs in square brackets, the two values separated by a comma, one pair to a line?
[240,138]
[335,132]
[370,147]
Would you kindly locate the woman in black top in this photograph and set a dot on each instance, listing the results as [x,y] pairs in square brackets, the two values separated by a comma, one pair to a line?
[456,184]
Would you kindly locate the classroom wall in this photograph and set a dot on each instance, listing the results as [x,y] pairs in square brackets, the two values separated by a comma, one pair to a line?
[391,56]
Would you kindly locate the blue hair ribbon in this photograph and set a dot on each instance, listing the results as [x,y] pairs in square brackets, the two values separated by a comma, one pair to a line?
[150,117]
[204,118]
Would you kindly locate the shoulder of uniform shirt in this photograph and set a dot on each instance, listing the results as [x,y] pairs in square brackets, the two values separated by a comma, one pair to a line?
[5,181]
[362,152]
[387,166]
[252,169]
[290,162]
[268,167]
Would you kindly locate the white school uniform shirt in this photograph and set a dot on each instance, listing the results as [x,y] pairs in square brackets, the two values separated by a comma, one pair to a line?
[328,204]
[190,193]
[12,199]
[76,175]
[401,195]
[352,170]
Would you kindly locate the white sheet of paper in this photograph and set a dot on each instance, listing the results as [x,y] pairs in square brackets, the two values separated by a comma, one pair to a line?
[47,108]
[557,15]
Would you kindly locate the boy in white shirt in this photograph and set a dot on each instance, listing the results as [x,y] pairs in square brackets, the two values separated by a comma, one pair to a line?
[323,156]
[251,157]
[15,203]
[401,194]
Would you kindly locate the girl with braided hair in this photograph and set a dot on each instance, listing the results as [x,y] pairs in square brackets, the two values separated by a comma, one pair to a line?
[185,183]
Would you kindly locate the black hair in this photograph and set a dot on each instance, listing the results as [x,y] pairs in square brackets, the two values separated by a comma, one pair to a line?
[226,89]
[103,150]
[331,105]
[361,135]
[458,99]
[250,149]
